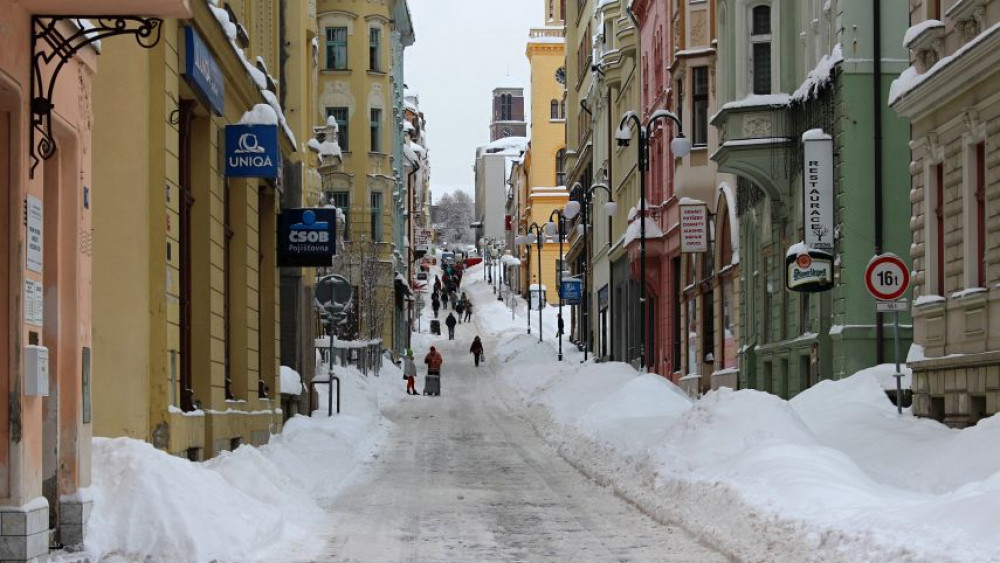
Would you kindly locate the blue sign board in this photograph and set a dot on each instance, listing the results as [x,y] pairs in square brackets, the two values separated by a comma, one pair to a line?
[307,238]
[252,151]
[202,72]
[571,291]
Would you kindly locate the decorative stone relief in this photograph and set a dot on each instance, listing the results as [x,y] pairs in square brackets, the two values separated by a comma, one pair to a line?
[375,97]
[757,127]
[699,29]
[336,93]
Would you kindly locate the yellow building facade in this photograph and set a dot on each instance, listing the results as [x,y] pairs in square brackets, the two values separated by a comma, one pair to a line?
[355,87]
[544,164]
[190,365]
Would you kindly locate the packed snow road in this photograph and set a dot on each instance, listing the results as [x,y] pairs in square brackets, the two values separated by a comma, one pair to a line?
[462,478]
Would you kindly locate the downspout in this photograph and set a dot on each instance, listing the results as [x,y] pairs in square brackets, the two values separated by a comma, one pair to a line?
[879,196]
[409,247]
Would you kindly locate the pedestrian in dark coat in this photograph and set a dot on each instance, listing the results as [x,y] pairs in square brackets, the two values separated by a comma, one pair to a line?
[559,332]
[437,284]
[477,350]
[460,308]
[435,304]
[468,311]
[444,299]
[451,321]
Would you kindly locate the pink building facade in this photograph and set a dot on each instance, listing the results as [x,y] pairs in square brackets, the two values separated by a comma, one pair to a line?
[45,277]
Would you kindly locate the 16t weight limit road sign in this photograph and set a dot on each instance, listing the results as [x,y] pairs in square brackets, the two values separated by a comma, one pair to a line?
[887,277]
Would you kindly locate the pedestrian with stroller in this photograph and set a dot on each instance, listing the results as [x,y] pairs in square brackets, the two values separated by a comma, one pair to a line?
[468,311]
[410,373]
[435,304]
[432,384]
[477,350]
[451,321]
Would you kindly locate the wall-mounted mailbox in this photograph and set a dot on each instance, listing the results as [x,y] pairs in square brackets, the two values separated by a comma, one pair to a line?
[36,371]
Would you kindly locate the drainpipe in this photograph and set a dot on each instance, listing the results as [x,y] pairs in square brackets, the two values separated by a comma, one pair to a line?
[877,101]
[410,201]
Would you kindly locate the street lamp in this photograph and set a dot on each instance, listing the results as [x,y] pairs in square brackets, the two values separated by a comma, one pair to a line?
[536,236]
[571,210]
[680,146]
[557,228]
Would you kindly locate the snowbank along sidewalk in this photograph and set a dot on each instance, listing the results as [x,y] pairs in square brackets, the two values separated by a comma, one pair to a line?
[832,475]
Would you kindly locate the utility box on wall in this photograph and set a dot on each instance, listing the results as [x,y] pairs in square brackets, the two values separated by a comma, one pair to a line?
[36,371]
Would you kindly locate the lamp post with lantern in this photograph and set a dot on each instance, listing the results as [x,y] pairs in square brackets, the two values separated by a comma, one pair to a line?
[680,147]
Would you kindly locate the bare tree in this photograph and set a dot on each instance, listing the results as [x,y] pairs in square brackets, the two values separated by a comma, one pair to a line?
[455,212]
[366,264]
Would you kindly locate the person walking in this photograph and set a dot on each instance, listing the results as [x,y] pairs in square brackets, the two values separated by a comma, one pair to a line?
[451,321]
[410,373]
[477,350]
[437,284]
[444,299]
[435,304]
[468,311]
[460,309]
[432,385]
[559,326]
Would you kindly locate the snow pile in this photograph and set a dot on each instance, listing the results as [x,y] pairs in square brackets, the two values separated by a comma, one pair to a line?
[819,76]
[261,114]
[252,504]
[291,381]
[832,475]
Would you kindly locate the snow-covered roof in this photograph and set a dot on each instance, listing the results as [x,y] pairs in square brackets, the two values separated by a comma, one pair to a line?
[633,231]
[260,114]
[819,76]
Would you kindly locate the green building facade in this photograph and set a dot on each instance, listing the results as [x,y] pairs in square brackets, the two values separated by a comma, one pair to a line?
[786,67]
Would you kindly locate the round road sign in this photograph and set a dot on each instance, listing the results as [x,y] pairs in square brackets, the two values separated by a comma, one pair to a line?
[887,277]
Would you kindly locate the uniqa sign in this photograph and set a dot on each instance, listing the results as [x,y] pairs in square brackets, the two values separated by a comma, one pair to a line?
[202,72]
[808,271]
[307,237]
[817,189]
[252,151]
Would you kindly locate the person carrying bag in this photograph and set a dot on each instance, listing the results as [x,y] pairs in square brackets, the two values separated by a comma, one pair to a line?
[477,350]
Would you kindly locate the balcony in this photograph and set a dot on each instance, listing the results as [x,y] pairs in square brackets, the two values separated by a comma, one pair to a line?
[754,134]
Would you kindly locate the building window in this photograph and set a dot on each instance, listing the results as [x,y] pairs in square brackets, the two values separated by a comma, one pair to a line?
[506,107]
[562,109]
[760,40]
[341,115]
[375,49]
[342,201]
[981,214]
[376,217]
[561,167]
[583,55]
[376,130]
[699,105]
[336,48]
[554,109]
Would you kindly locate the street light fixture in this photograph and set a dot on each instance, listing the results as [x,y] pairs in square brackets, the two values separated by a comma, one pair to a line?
[610,208]
[557,228]
[680,146]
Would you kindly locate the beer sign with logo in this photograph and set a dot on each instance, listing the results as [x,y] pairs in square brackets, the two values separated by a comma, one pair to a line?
[252,151]
[808,270]
[307,238]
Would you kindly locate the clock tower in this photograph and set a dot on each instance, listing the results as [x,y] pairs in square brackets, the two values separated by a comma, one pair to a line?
[508,111]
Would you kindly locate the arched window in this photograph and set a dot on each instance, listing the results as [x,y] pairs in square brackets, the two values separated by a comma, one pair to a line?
[561,167]
[760,49]
[506,107]
[554,109]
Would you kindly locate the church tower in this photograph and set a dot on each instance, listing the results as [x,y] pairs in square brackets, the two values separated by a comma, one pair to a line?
[508,111]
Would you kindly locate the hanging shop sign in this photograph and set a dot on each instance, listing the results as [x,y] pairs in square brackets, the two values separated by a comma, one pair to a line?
[307,238]
[809,271]
[202,72]
[694,227]
[817,189]
[571,290]
[252,151]
[422,239]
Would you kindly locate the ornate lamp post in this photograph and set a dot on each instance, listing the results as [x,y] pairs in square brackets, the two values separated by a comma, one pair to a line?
[570,211]
[536,236]
[558,228]
[680,146]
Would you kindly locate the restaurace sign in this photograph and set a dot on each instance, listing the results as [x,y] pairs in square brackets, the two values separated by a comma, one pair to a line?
[817,189]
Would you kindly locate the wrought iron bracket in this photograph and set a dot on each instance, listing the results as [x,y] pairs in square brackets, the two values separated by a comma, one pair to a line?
[50,46]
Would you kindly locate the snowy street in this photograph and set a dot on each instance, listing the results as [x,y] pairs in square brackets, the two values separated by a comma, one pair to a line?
[462,478]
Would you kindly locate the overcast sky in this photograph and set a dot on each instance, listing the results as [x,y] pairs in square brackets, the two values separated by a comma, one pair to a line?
[464,49]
